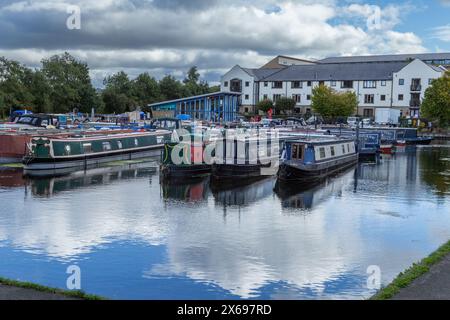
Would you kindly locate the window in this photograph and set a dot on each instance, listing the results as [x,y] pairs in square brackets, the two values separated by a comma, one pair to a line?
[430,81]
[343,149]
[297,98]
[87,148]
[266,83]
[400,97]
[401,82]
[276,97]
[309,83]
[322,152]
[136,142]
[265,97]
[247,97]
[296,84]
[67,150]
[368,113]
[348,147]
[119,144]
[383,97]
[333,83]
[247,84]
[333,151]
[246,110]
[383,83]
[369,98]
[225,84]
[277,85]
[106,146]
[347,84]
[369,84]
[297,152]
[308,97]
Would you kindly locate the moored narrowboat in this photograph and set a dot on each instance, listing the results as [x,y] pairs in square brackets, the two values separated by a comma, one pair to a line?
[312,160]
[184,160]
[49,153]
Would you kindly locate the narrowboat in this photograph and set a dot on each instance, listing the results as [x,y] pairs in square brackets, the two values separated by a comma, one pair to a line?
[190,162]
[312,160]
[245,158]
[49,153]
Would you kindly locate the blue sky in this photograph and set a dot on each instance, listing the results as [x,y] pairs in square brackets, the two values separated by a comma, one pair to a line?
[168,36]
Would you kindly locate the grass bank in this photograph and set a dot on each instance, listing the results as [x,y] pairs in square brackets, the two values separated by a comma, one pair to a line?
[32,286]
[405,278]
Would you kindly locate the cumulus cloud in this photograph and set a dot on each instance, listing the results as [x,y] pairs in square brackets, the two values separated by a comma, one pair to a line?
[163,36]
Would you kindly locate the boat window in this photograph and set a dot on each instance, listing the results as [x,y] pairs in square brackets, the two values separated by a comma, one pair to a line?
[87,148]
[34,121]
[294,151]
[333,152]
[119,144]
[136,142]
[44,123]
[67,150]
[348,147]
[343,149]
[322,152]
[106,146]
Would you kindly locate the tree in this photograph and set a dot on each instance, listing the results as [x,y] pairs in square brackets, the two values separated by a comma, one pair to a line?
[285,105]
[146,90]
[170,88]
[70,82]
[13,90]
[265,105]
[118,94]
[193,85]
[436,105]
[331,104]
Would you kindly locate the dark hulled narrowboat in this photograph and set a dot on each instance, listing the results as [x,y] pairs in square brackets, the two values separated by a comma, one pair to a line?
[50,153]
[312,160]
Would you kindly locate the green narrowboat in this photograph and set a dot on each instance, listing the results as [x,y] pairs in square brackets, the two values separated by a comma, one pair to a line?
[49,153]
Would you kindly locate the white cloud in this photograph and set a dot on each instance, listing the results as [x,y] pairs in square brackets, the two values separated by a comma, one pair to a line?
[442,33]
[151,35]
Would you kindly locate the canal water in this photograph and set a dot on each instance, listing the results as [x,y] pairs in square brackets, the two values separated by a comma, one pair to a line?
[135,238]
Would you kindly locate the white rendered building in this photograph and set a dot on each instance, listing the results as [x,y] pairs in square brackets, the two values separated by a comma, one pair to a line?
[396,81]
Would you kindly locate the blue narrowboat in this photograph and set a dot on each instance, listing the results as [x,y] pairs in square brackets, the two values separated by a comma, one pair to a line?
[312,160]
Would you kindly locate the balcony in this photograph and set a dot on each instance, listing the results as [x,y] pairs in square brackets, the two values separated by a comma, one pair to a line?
[414,103]
[416,87]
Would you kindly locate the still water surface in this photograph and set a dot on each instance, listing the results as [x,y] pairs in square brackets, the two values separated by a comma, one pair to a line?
[135,238]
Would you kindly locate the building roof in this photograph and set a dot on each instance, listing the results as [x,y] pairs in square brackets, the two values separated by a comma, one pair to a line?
[275,62]
[259,74]
[388,58]
[187,99]
[338,72]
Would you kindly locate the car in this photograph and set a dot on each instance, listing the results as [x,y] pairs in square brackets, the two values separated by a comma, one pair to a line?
[352,121]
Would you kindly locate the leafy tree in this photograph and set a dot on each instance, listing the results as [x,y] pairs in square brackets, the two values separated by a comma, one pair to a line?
[70,82]
[13,89]
[331,104]
[118,94]
[436,105]
[40,89]
[146,90]
[265,105]
[285,105]
[170,88]
[193,85]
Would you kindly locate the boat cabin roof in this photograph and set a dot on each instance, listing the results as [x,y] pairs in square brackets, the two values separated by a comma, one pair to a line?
[319,142]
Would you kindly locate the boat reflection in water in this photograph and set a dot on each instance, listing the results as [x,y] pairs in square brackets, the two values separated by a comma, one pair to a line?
[308,196]
[50,186]
[190,190]
[243,193]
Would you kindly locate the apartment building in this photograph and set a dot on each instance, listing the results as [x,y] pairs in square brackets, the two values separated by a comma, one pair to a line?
[398,82]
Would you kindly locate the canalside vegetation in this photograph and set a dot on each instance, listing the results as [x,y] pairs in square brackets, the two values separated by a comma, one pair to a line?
[28,285]
[63,84]
[405,278]
[436,105]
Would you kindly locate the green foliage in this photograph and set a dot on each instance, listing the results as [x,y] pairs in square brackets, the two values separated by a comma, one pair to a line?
[265,105]
[436,105]
[331,104]
[285,105]
[70,83]
[63,84]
